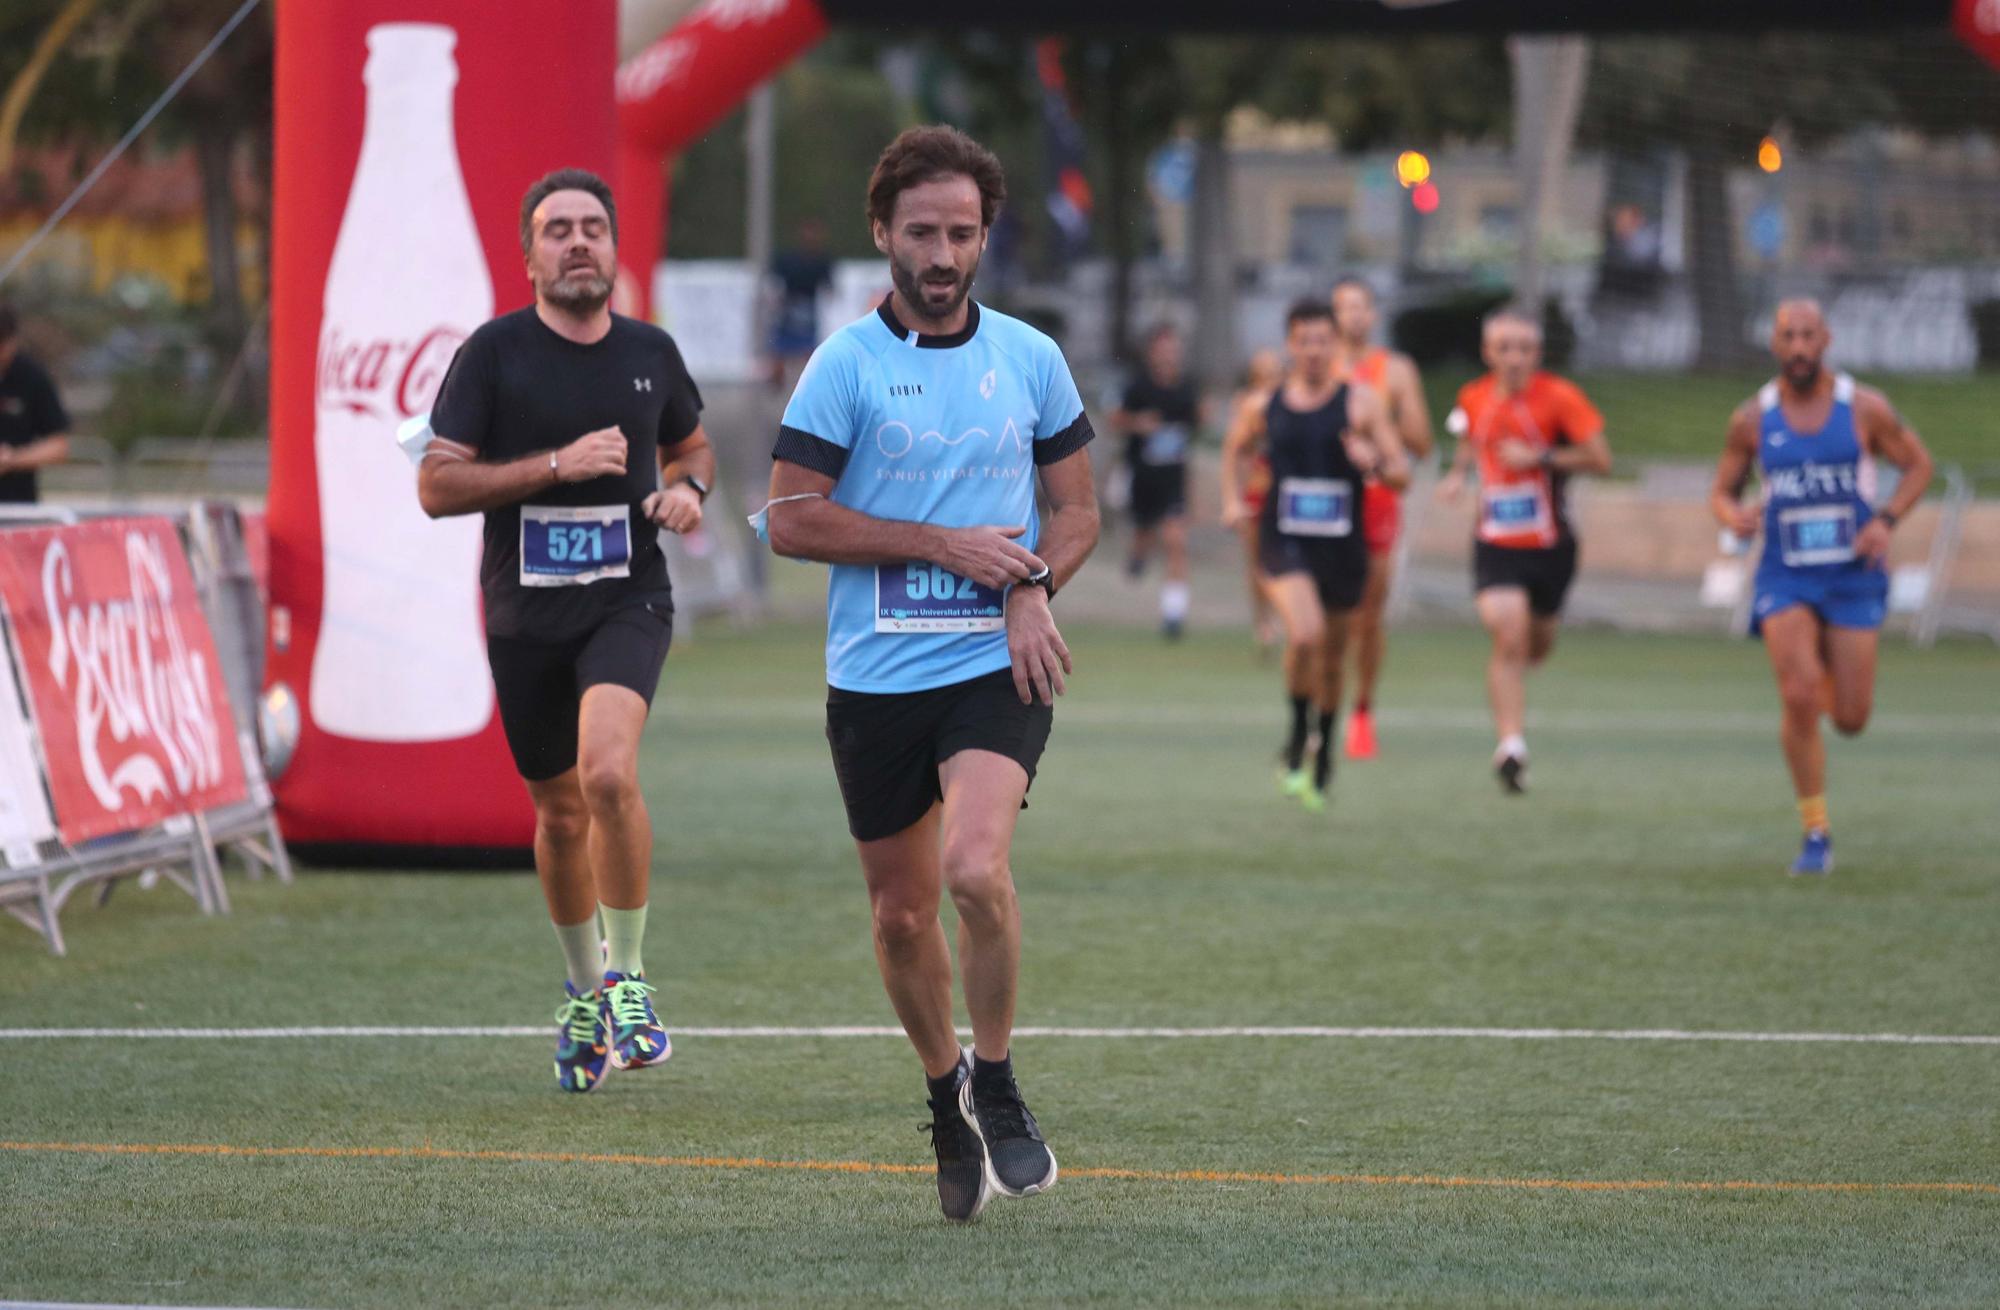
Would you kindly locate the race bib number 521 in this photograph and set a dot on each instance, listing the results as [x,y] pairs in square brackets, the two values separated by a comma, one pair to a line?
[564,546]
[931,598]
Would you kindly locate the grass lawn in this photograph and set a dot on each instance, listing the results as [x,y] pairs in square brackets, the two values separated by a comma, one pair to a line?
[1163,882]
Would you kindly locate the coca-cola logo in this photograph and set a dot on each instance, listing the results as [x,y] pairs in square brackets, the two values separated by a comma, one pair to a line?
[384,379]
[145,720]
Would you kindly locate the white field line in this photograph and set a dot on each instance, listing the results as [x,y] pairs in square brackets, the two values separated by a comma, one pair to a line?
[1305,1031]
[1758,722]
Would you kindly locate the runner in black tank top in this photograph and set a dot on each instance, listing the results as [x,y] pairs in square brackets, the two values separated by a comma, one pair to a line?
[1311,522]
[1322,438]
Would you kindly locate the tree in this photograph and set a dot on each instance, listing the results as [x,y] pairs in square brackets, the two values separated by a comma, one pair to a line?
[1714,97]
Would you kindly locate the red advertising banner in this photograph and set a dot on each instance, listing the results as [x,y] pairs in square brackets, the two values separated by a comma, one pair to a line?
[406,133]
[121,674]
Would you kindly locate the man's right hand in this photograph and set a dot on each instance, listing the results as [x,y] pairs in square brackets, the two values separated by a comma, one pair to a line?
[1448,488]
[1744,520]
[989,555]
[593,455]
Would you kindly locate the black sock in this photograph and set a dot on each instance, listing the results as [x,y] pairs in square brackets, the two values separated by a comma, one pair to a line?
[1295,749]
[944,1090]
[1323,761]
[986,1072]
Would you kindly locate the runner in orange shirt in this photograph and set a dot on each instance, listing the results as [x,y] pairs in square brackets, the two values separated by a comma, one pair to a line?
[1530,431]
[1394,377]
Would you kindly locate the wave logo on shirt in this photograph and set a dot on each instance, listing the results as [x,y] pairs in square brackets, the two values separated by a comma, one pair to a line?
[896,439]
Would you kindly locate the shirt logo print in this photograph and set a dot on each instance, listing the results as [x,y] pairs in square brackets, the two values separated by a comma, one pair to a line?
[642,384]
[987,385]
[907,389]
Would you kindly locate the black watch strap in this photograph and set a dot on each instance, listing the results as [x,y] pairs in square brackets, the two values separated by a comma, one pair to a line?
[1888,516]
[700,487]
[1046,580]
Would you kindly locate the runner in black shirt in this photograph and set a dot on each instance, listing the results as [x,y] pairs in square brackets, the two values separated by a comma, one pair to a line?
[1323,436]
[34,430]
[1158,416]
[578,434]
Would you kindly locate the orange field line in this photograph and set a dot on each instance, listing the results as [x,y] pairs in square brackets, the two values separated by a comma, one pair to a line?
[871,1167]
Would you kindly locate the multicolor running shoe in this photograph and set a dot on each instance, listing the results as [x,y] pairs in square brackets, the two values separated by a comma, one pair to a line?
[637,1038]
[582,1040]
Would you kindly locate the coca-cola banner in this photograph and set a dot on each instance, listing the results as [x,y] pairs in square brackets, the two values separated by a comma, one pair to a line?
[122,674]
[406,133]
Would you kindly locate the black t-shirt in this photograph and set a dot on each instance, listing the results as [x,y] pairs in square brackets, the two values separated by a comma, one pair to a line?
[1179,408]
[29,411]
[801,275]
[517,388]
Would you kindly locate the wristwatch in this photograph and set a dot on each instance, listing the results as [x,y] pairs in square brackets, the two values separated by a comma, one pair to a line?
[1046,580]
[700,487]
[1888,516]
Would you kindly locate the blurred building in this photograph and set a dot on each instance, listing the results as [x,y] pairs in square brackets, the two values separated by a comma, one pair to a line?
[142,220]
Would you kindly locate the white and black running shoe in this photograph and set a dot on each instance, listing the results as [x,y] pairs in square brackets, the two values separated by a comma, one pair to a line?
[1512,771]
[962,1175]
[1018,1161]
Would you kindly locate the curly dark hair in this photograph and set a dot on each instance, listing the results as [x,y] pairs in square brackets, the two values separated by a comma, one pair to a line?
[565,179]
[926,154]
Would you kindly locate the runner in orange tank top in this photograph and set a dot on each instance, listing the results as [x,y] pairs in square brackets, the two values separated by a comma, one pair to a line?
[1394,377]
[1529,431]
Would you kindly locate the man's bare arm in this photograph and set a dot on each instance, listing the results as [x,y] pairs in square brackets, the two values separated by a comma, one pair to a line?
[813,527]
[1890,438]
[1073,524]
[453,480]
[1410,410]
[1732,474]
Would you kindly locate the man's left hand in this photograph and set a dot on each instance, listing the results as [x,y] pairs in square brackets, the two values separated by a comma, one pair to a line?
[677,509]
[1039,656]
[1872,542]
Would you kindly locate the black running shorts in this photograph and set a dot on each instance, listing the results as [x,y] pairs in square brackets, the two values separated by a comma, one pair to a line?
[1338,567]
[887,747]
[1159,492]
[540,684]
[1545,574]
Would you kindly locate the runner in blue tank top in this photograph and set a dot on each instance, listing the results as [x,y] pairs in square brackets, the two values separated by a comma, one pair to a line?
[1821,590]
[908,460]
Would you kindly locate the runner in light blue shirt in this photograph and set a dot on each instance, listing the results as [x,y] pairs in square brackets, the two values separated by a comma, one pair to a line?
[908,460]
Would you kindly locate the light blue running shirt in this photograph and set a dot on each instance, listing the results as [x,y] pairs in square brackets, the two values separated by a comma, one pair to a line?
[942,430]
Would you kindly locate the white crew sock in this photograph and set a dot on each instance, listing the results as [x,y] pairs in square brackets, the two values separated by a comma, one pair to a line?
[1174,602]
[1515,745]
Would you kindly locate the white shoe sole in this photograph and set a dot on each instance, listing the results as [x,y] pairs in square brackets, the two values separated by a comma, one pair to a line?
[986,1151]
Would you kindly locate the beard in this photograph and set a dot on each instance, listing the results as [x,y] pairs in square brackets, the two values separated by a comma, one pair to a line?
[1802,373]
[934,300]
[578,290]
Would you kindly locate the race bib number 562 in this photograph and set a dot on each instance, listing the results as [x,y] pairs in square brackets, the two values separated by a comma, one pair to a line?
[931,598]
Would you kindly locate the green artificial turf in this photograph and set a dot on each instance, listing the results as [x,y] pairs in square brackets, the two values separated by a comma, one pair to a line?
[1163,882]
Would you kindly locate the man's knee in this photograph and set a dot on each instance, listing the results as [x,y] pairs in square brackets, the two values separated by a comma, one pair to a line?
[901,918]
[609,782]
[1850,717]
[562,821]
[1540,642]
[982,886]
[1801,699]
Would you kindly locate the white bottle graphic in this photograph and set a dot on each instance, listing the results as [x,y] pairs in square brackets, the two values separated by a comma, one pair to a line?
[401,654]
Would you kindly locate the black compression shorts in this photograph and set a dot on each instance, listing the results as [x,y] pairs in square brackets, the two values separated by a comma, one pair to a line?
[1339,569]
[887,746]
[540,684]
[1545,573]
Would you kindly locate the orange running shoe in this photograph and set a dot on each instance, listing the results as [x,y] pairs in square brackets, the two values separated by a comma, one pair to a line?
[1361,735]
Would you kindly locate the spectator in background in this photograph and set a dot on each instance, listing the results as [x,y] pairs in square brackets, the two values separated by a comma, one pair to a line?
[34,430]
[798,276]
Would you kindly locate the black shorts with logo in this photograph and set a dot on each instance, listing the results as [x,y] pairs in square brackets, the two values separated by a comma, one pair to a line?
[540,684]
[1545,573]
[887,746]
